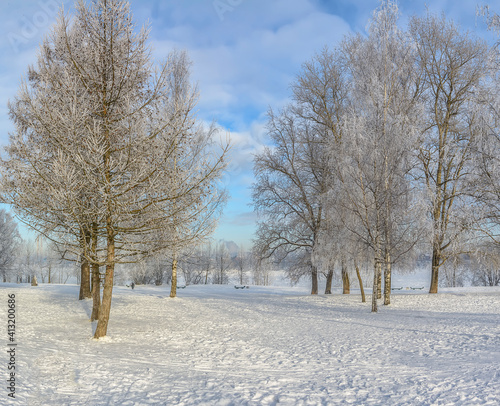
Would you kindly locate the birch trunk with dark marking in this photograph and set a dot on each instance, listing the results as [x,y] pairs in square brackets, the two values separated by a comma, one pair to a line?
[376,277]
[379,281]
[387,280]
[173,287]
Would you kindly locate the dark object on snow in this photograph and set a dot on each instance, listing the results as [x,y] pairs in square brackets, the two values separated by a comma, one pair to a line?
[132,285]
[241,287]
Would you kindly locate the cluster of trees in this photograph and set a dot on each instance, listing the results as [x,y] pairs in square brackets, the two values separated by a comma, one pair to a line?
[205,264]
[23,259]
[32,260]
[388,149]
[108,160]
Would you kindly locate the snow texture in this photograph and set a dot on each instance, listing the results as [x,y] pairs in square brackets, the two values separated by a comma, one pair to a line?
[216,345]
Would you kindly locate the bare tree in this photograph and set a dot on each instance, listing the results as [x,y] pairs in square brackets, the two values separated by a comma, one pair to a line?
[262,269]
[222,264]
[287,194]
[207,262]
[486,271]
[241,262]
[453,64]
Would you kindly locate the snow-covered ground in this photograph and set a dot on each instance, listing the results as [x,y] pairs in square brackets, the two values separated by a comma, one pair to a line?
[216,345]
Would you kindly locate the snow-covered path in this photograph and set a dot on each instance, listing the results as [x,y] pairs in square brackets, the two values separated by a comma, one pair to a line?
[215,345]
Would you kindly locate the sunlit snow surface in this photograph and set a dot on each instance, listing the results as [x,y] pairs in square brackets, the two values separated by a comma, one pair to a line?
[216,345]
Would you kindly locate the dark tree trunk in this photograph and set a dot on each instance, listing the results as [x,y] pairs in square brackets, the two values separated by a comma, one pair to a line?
[105,308]
[436,257]
[96,282]
[314,280]
[96,292]
[107,293]
[329,279]
[85,271]
[346,283]
[358,274]
[85,280]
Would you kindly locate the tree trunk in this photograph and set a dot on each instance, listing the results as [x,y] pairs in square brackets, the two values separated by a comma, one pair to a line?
[314,280]
[85,280]
[436,257]
[358,274]
[173,286]
[96,292]
[107,293]
[346,284]
[379,281]
[85,269]
[96,282]
[387,280]
[376,277]
[329,279]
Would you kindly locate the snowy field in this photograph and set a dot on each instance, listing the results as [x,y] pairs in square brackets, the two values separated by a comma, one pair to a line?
[216,345]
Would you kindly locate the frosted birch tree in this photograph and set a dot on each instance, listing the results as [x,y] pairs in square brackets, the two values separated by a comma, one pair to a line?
[98,130]
[378,136]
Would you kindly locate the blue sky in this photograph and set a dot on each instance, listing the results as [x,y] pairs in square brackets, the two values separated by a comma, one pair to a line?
[245,54]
